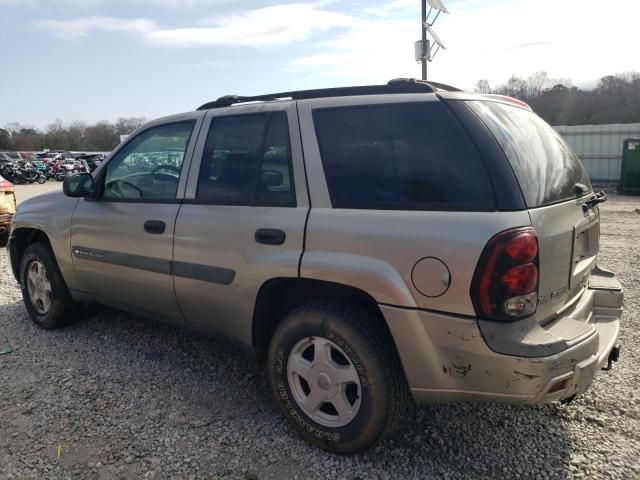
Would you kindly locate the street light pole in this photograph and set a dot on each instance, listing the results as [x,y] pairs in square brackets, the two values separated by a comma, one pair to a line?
[424,39]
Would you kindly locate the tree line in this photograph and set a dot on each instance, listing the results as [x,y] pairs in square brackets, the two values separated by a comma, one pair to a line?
[75,136]
[615,99]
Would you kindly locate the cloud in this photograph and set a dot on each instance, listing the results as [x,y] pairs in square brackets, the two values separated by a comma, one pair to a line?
[186,3]
[376,50]
[491,40]
[84,4]
[393,6]
[80,27]
[533,44]
[211,64]
[275,25]
[64,4]
[485,39]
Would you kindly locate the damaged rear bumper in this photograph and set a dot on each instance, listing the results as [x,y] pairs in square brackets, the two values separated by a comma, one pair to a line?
[449,358]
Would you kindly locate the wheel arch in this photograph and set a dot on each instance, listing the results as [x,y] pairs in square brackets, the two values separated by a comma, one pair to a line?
[279,296]
[21,238]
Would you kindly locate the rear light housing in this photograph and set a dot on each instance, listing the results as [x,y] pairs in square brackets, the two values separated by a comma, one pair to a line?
[505,283]
[6,186]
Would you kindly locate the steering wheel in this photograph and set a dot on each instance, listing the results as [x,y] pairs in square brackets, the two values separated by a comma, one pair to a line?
[165,167]
[115,188]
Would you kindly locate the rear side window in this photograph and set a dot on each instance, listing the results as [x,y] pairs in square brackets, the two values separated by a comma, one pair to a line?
[247,161]
[546,167]
[400,157]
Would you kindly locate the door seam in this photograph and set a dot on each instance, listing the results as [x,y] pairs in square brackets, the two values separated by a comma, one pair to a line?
[306,180]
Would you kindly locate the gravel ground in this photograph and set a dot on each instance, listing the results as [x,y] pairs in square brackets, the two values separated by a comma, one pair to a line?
[116,396]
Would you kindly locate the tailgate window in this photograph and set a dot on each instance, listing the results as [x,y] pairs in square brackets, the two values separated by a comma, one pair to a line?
[544,164]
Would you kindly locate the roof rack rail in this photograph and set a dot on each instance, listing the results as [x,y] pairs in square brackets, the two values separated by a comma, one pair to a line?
[397,85]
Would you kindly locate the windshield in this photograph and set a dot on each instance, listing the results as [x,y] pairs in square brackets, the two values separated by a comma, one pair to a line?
[546,167]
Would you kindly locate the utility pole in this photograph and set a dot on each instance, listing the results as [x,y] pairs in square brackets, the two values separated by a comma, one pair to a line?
[423,24]
[422,48]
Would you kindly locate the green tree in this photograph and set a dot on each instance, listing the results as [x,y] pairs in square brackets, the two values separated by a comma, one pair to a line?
[5,139]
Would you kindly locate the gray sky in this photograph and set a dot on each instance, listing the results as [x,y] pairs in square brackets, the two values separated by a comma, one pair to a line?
[103,59]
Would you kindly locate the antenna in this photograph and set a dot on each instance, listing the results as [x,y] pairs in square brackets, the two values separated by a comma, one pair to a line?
[423,51]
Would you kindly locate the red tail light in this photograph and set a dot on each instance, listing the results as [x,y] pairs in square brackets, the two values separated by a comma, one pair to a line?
[505,283]
[6,186]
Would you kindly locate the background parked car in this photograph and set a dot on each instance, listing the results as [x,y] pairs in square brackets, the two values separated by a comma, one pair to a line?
[51,156]
[70,167]
[7,209]
[93,160]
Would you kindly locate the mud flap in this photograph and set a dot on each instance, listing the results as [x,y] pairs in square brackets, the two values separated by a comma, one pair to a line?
[614,355]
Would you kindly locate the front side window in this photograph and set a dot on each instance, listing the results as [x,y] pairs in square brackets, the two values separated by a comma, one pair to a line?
[247,161]
[400,157]
[149,166]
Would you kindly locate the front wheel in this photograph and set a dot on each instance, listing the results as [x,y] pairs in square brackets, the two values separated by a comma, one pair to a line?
[337,377]
[44,291]
[41,179]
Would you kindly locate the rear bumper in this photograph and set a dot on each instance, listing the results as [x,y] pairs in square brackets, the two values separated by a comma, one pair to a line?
[447,358]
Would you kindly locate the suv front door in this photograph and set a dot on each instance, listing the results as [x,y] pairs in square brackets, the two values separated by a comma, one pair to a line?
[121,241]
[242,220]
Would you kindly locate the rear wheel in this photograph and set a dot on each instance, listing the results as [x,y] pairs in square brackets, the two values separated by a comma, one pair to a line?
[336,376]
[44,292]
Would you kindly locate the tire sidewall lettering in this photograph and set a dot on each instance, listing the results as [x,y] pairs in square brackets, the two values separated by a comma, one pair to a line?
[334,326]
[299,418]
[330,335]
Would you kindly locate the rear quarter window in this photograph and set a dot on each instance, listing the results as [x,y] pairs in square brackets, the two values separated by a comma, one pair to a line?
[545,166]
[401,157]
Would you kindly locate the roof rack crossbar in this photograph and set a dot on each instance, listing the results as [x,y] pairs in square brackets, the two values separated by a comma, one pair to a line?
[398,85]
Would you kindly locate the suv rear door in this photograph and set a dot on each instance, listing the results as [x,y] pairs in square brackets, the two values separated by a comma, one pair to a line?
[555,187]
[243,217]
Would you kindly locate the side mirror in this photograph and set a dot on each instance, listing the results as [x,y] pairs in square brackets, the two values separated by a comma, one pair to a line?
[272,178]
[79,185]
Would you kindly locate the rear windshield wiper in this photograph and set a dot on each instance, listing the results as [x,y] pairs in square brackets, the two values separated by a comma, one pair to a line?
[595,199]
[580,189]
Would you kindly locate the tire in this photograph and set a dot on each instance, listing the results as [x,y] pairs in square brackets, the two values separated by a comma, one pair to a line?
[379,397]
[41,179]
[58,314]
[4,238]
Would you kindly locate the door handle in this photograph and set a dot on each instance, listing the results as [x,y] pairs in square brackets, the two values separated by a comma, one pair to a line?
[154,226]
[270,236]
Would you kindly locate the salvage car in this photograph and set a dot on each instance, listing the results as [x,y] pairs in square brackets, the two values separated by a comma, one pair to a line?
[373,244]
[7,209]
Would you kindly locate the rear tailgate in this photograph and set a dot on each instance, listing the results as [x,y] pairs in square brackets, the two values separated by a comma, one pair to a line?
[568,239]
